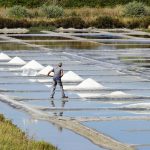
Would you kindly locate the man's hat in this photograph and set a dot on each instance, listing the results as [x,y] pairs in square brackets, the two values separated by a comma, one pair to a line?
[60,64]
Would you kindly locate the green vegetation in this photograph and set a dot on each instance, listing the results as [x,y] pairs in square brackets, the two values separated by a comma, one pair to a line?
[38,29]
[28,3]
[69,3]
[107,22]
[52,11]
[18,11]
[132,15]
[97,3]
[12,138]
[135,9]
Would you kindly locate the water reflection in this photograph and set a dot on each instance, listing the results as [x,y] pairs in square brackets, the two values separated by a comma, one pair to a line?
[63,102]
[99,36]
[42,130]
[68,44]
[14,46]
[43,37]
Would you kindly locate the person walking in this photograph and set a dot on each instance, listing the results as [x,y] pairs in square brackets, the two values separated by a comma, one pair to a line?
[58,73]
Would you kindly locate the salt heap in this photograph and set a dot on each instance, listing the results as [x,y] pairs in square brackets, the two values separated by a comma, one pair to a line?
[71,77]
[89,84]
[33,65]
[4,57]
[118,94]
[45,70]
[17,61]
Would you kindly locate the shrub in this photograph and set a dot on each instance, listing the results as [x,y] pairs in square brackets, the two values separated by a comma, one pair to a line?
[95,3]
[2,117]
[145,22]
[14,23]
[138,23]
[28,3]
[18,12]
[134,23]
[52,11]
[135,9]
[107,22]
[74,22]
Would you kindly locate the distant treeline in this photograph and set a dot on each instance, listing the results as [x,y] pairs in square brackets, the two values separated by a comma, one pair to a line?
[69,3]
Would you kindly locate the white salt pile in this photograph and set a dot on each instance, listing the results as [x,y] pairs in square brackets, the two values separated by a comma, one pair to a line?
[118,94]
[17,61]
[4,57]
[71,77]
[89,84]
[33,65]
[45,70]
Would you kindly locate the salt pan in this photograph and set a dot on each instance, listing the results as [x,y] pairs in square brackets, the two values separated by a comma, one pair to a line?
[33,65]
[17,61]
[71,77]
[4,57]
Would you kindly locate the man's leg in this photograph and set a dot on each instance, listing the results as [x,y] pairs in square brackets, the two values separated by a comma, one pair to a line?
[53,89]
[61,88]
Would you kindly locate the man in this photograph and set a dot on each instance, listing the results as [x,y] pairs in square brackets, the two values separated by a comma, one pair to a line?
[58,73]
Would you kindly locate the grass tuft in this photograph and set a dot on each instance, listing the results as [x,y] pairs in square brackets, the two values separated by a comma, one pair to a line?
[12,138]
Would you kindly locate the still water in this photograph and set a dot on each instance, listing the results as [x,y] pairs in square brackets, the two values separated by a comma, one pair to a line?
[118,67]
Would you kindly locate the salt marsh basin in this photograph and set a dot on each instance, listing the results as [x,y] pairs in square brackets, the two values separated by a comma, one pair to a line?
[101,110]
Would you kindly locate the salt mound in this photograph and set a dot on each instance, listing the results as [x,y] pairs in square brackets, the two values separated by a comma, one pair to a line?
[17,61]
[89,84]
[71,77]
[33,65]
[4,57]
[118,94]
[45,70]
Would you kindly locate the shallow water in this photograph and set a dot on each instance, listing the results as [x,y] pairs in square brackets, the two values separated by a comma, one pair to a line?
[125,131]
[42,130]
[14,46]
[106,64]
[39,37]
[99,36]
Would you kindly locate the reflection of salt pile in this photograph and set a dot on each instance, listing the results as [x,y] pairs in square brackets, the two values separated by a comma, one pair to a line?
[89,95]
[71,77]
[33,65]
[89,84]
[17,61]
[30,69]
[118,94]
[4,57]
[29,72]
[138,106]
[45,70]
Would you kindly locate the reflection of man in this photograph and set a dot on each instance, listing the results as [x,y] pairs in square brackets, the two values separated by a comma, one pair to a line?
[62,106]
[58,73]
